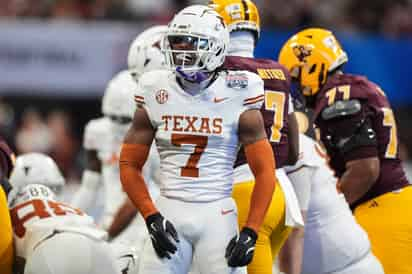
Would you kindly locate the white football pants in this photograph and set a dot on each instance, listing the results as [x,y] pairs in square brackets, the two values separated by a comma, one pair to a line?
[204,230]
[72,253]
[368,265]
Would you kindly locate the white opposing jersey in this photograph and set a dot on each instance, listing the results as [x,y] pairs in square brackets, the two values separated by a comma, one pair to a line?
[333,238]
[36,216]
[197,135]
[106,138]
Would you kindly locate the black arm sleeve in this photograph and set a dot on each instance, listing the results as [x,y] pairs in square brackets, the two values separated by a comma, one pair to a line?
[349,135]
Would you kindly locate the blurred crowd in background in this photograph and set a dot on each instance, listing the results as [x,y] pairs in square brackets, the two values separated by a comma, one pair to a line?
[57,130]
[392,18]
[51,132]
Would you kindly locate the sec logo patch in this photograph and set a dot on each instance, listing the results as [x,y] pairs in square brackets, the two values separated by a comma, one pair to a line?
[162,96]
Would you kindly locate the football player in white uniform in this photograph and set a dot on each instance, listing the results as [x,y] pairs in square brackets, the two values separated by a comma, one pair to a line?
[52,237]
[102,141]
[144,55]
[198,115]
[333,241]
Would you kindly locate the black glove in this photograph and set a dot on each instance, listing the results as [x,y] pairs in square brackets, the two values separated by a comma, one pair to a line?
[163,235]
[241,248]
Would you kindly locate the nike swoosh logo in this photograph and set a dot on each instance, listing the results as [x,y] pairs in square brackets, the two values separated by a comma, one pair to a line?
[218,100]
[224,212]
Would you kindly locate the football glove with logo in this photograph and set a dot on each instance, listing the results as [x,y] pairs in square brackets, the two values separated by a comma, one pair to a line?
[163,235]
[241,248]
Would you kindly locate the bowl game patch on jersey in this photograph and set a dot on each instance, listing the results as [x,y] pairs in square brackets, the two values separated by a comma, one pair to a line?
[237,80]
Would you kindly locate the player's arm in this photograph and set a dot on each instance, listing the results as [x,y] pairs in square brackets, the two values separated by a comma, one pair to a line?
[85,197]
[352,136]
[359,177]
[293,139]
[123,217]
[260,158]
[133,155]
[291,254]
[127,212]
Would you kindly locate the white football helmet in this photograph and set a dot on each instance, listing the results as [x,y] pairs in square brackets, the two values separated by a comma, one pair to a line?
[118,99]
[36,168]
[204,30]
[145,53]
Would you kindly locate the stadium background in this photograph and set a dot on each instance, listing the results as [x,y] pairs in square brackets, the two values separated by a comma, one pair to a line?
[56,57]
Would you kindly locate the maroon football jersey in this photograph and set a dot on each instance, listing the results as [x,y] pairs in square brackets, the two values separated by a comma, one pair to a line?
[276,107]
[376,107]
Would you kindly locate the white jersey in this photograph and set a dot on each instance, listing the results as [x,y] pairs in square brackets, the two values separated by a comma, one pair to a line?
[333,238]
[197,135]
[105,137]
[36,216]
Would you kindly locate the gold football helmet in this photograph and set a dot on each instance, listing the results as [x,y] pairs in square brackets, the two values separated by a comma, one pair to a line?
[238,15]
[310,55]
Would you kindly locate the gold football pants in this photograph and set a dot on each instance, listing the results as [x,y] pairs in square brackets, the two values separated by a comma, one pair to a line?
[388,221]
[273,232]
[6,236]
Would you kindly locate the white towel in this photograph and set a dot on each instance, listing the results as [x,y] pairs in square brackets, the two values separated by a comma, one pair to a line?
[293,215]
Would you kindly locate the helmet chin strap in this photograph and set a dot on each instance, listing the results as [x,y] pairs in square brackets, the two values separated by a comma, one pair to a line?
[194,77]
[194,82]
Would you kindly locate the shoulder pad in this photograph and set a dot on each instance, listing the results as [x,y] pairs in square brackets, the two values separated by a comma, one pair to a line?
[97,126]
[341,109]
[151,78]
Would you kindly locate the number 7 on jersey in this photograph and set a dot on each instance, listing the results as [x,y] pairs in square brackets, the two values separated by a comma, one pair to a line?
[200,142]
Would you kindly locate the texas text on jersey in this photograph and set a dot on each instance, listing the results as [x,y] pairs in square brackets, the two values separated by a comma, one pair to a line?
[374,109]
[275,110]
